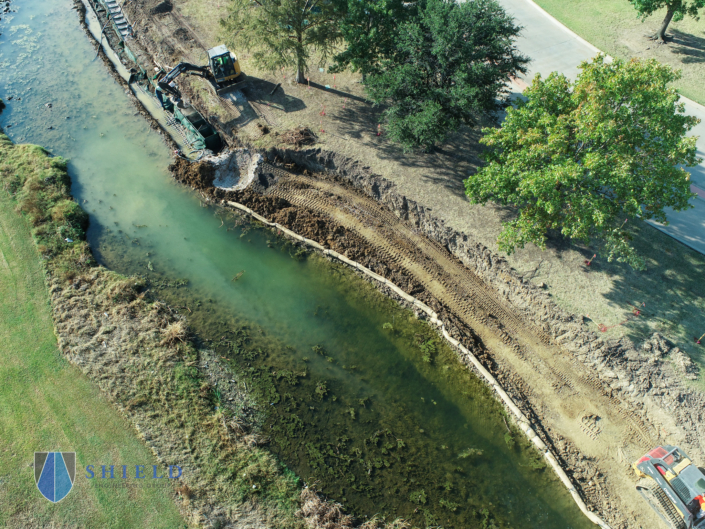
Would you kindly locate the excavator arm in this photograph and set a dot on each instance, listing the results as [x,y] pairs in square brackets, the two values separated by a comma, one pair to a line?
[183,67]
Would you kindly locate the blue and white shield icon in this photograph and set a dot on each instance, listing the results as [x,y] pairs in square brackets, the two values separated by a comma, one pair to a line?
[54,474]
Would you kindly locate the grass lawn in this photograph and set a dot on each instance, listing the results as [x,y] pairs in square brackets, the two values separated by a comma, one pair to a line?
[47,404]
[613,26]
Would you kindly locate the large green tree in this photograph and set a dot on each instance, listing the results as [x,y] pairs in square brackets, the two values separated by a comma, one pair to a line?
[370,29]
[283,33]
[449,64]
[583,158]
[675,10]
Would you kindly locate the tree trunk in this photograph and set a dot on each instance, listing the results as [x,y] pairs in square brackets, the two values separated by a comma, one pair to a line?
[666,21]
[300,62]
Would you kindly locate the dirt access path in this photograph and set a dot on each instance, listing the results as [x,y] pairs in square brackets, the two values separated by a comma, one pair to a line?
[567,395]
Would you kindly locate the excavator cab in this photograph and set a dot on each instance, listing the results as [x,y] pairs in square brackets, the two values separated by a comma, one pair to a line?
[673,486]
[224,65]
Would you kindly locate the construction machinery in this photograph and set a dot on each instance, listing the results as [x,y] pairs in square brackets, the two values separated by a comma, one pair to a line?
[224,66]
[223,70]
[673,486]
[166,84]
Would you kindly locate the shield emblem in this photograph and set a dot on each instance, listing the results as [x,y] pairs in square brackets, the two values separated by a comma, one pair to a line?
[54,474]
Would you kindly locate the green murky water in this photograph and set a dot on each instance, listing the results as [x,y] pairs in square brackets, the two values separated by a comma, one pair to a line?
[359,395]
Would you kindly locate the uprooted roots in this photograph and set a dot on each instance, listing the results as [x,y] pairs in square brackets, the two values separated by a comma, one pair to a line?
[174,333]
[321,514]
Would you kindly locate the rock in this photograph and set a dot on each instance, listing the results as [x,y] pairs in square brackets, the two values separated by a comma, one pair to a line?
[657,345]
[684,364]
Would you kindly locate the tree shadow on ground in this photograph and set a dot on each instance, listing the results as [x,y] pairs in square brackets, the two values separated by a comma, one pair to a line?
[669,294]
[448,164]
[671,289]
[690,47]
[339,93]
[271,94]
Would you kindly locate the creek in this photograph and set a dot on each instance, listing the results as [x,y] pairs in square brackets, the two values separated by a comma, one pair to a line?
[356,393]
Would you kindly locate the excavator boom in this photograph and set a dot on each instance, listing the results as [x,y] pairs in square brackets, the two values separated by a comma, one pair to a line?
[183,67]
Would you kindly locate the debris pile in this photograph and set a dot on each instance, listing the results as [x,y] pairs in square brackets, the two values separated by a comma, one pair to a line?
[321,514]
[299,136]
[684,364]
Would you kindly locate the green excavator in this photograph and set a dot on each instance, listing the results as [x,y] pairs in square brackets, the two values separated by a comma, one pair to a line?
[673,486]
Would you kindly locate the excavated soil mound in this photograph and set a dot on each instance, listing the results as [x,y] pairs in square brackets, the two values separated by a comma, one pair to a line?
[299,136]
[199,175]
[164,7]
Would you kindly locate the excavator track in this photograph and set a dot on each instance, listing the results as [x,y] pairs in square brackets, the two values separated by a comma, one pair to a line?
[569,384]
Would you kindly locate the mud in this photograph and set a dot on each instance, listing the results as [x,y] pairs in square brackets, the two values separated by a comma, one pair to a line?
[197,175]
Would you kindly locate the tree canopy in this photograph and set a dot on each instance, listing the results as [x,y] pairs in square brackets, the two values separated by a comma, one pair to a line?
[584,158]
[370,30]
[675,10]
[282,33]
[448,64]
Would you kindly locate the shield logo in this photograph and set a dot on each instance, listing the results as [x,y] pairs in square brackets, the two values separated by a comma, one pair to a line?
[54,474]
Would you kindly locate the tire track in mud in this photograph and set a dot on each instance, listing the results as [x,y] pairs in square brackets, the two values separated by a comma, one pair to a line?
[570,390]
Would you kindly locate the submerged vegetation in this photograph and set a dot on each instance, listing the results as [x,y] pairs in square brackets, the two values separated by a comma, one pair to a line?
[327,415]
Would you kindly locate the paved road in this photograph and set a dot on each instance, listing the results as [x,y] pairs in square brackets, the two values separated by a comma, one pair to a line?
[553,47]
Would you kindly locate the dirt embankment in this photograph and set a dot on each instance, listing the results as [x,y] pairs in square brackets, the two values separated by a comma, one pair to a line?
[599,405]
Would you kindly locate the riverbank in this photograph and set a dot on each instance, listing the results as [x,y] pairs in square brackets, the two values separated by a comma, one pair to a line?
[138,353]
[601,404]
[47,402]
[578,423]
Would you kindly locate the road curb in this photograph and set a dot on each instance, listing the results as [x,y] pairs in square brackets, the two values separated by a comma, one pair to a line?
[577,37]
